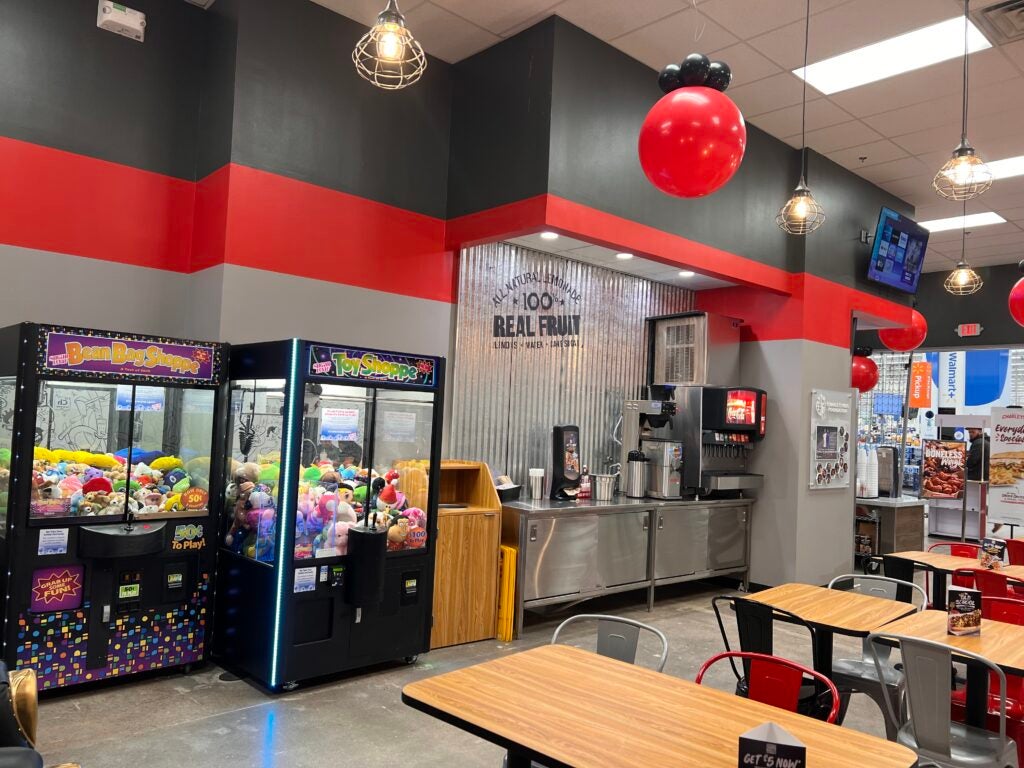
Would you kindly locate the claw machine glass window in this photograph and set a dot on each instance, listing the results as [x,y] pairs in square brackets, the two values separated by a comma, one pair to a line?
[332,478]
[6,445]
[401,465]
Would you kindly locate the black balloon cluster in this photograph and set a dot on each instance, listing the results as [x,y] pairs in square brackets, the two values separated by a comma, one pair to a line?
[696,69]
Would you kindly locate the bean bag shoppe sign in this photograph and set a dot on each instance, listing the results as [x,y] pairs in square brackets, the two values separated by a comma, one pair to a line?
[536,310]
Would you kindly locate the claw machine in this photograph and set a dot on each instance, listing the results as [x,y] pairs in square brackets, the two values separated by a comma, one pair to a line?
[107,441]
[327,543]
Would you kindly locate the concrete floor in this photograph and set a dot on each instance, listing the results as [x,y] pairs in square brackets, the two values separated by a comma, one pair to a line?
[201,721]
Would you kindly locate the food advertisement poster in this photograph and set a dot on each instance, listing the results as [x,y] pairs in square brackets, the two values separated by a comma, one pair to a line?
[831,416]
[943,469]
[1006,466]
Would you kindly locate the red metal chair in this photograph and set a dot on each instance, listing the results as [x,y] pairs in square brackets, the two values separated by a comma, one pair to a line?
[996,584]
[959,548]
[776,681]
[1015,551]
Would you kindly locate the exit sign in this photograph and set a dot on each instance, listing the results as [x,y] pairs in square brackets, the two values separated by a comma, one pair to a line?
[969,329]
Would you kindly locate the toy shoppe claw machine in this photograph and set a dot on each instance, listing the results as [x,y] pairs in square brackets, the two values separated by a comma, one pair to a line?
[327,546]
[107,441]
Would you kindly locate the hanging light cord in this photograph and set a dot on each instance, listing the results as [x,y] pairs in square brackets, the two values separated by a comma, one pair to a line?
[803,110]
[963,239]
[963,130]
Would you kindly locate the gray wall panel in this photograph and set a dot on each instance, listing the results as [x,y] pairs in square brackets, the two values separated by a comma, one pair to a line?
[505,401]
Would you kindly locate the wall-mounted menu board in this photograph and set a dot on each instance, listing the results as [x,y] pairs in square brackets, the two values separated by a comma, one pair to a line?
[831,417]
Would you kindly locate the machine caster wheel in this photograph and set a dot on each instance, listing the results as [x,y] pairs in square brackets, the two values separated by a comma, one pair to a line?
[411,659]
[291,685]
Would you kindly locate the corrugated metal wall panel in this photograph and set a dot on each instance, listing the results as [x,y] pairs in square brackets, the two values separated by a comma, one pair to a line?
[505,401]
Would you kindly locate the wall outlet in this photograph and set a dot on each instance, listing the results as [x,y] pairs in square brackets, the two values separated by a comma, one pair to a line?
[121,20]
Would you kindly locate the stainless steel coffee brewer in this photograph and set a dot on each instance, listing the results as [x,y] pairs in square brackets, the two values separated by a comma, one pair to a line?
[665,474]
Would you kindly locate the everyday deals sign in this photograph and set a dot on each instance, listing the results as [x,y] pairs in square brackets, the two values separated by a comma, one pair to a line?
[1006,467]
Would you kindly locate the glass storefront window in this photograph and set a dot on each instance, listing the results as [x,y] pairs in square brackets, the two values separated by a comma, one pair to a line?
[81,462]
[256,428]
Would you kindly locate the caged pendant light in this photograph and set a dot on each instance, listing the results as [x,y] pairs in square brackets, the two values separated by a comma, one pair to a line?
[388,55]
[965,175]
[963,281]
[802,214]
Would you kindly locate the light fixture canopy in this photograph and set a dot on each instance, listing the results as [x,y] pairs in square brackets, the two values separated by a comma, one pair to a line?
[965,175]
[388,55]
[802,214]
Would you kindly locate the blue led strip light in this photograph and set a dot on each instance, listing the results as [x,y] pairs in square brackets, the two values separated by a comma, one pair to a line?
[283,562]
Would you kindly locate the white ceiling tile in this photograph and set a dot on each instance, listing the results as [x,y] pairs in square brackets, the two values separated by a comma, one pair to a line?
[747,65]
[672,38]
[446,35]
[747,19]
[609,19]
[496,17]
[1012,214]
[902,168]
[877,152]
[768,95]
[849,134]
[821,113]
[364,11]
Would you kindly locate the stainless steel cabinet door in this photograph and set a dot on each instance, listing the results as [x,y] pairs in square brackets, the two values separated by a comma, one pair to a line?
[561,556]
[727,537]
[682,546]
[622,548]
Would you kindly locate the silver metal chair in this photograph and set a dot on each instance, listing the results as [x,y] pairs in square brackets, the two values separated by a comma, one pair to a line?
[859,675]
[929,731]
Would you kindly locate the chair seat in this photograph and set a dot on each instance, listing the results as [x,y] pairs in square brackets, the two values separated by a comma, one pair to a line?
[851,670]
[967,746]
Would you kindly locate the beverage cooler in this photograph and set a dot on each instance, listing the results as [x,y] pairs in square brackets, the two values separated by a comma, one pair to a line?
[327,547]
[106,446]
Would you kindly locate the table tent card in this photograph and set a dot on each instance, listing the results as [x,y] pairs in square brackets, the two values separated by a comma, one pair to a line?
[771,746]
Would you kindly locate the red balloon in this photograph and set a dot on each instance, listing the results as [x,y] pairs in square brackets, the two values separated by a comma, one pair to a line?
[1016,302]
[906,339]
[864,373]
[692,141]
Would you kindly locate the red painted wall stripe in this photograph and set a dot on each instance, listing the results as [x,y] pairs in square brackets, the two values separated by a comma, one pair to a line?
[66,203]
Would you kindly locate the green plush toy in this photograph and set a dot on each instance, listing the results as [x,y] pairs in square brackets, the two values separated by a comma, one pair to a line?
[269,474]
[359,494]
[312,474]
[5,458]
[119,485]
[182,485]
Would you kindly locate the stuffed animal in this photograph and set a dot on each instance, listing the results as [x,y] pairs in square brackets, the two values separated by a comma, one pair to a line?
[269,475]
[330,480]
[349,473]
[235,536]
[327,508]
[70,485]
[397,534]
[248,472]
[151,503]
[166,463]
[312,474]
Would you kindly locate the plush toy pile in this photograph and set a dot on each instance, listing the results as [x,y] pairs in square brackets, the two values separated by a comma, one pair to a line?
[84,484]
[331,500]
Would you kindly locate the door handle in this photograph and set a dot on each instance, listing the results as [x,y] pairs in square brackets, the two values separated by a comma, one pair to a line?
[490,514]
[661,523]
[533,533]
[647,523]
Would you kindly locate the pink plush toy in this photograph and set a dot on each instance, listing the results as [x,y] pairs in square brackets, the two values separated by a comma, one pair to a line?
[341,536]
[327,507]
[70,485]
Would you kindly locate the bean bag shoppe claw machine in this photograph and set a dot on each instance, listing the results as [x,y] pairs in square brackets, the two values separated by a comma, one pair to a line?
[107,441]
[327,546]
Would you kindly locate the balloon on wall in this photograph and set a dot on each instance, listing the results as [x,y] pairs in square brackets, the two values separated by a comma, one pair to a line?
[863,374]
[1016,300]
[692,141]
[906,339]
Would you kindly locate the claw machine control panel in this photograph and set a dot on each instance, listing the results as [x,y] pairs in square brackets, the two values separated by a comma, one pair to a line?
[108,500]
[327,546]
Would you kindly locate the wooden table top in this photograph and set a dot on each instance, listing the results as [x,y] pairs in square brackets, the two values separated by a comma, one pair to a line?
[843,611]
[580,709]
[999,642]
[950,563]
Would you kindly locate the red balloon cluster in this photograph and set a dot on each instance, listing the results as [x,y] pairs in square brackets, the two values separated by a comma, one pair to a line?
[906,339]
[863,374]
[1016,302]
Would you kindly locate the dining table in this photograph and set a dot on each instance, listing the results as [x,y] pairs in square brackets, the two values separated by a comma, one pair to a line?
[830,612]
[563,706]
[999,642]
[942,565]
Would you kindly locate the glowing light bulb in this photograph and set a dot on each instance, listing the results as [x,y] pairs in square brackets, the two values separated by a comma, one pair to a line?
[962,277]
[389,45]
[961,172]
[801,209]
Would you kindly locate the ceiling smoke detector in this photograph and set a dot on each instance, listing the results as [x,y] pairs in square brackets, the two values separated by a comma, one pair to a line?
[1002,22]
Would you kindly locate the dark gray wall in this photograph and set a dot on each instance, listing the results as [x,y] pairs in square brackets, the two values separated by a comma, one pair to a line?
[66,84]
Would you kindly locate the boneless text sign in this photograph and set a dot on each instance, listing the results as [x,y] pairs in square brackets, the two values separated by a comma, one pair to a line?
[78,353]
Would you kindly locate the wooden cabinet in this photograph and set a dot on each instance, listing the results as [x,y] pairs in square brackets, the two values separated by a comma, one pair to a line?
[466,566]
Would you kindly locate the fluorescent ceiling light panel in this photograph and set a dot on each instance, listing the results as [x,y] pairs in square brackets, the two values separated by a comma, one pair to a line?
[1004,169]
[963,222]
[903,53]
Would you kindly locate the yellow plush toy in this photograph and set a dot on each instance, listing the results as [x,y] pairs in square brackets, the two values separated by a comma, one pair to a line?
[43,454]
[165,464]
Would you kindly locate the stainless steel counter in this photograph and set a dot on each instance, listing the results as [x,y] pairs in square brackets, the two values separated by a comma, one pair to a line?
[571,551]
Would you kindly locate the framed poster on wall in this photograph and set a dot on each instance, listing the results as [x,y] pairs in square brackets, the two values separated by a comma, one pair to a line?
[831,416]
[943,469]
[1006,467]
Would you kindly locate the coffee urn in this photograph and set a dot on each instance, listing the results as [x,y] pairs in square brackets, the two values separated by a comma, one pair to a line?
[636,475]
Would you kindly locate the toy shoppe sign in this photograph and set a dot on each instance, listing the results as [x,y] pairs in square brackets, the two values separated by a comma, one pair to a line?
[370,365]
[536,310]
[98,354]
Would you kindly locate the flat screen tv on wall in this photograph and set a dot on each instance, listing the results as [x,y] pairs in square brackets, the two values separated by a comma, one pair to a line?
[897,254]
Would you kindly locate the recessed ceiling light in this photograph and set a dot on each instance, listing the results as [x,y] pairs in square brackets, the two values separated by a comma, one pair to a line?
[548,235]
[686,273]
[623,256]
[903,53]
[960,222]
[1004,169]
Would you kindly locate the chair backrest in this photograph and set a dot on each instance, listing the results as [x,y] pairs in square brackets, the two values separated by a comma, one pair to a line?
[903,570]
[755,625]
[618,637]
[884,587]
[1005,609]
[926,666]
[991,583]
[1015,551]
[958,548]
[774,680]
